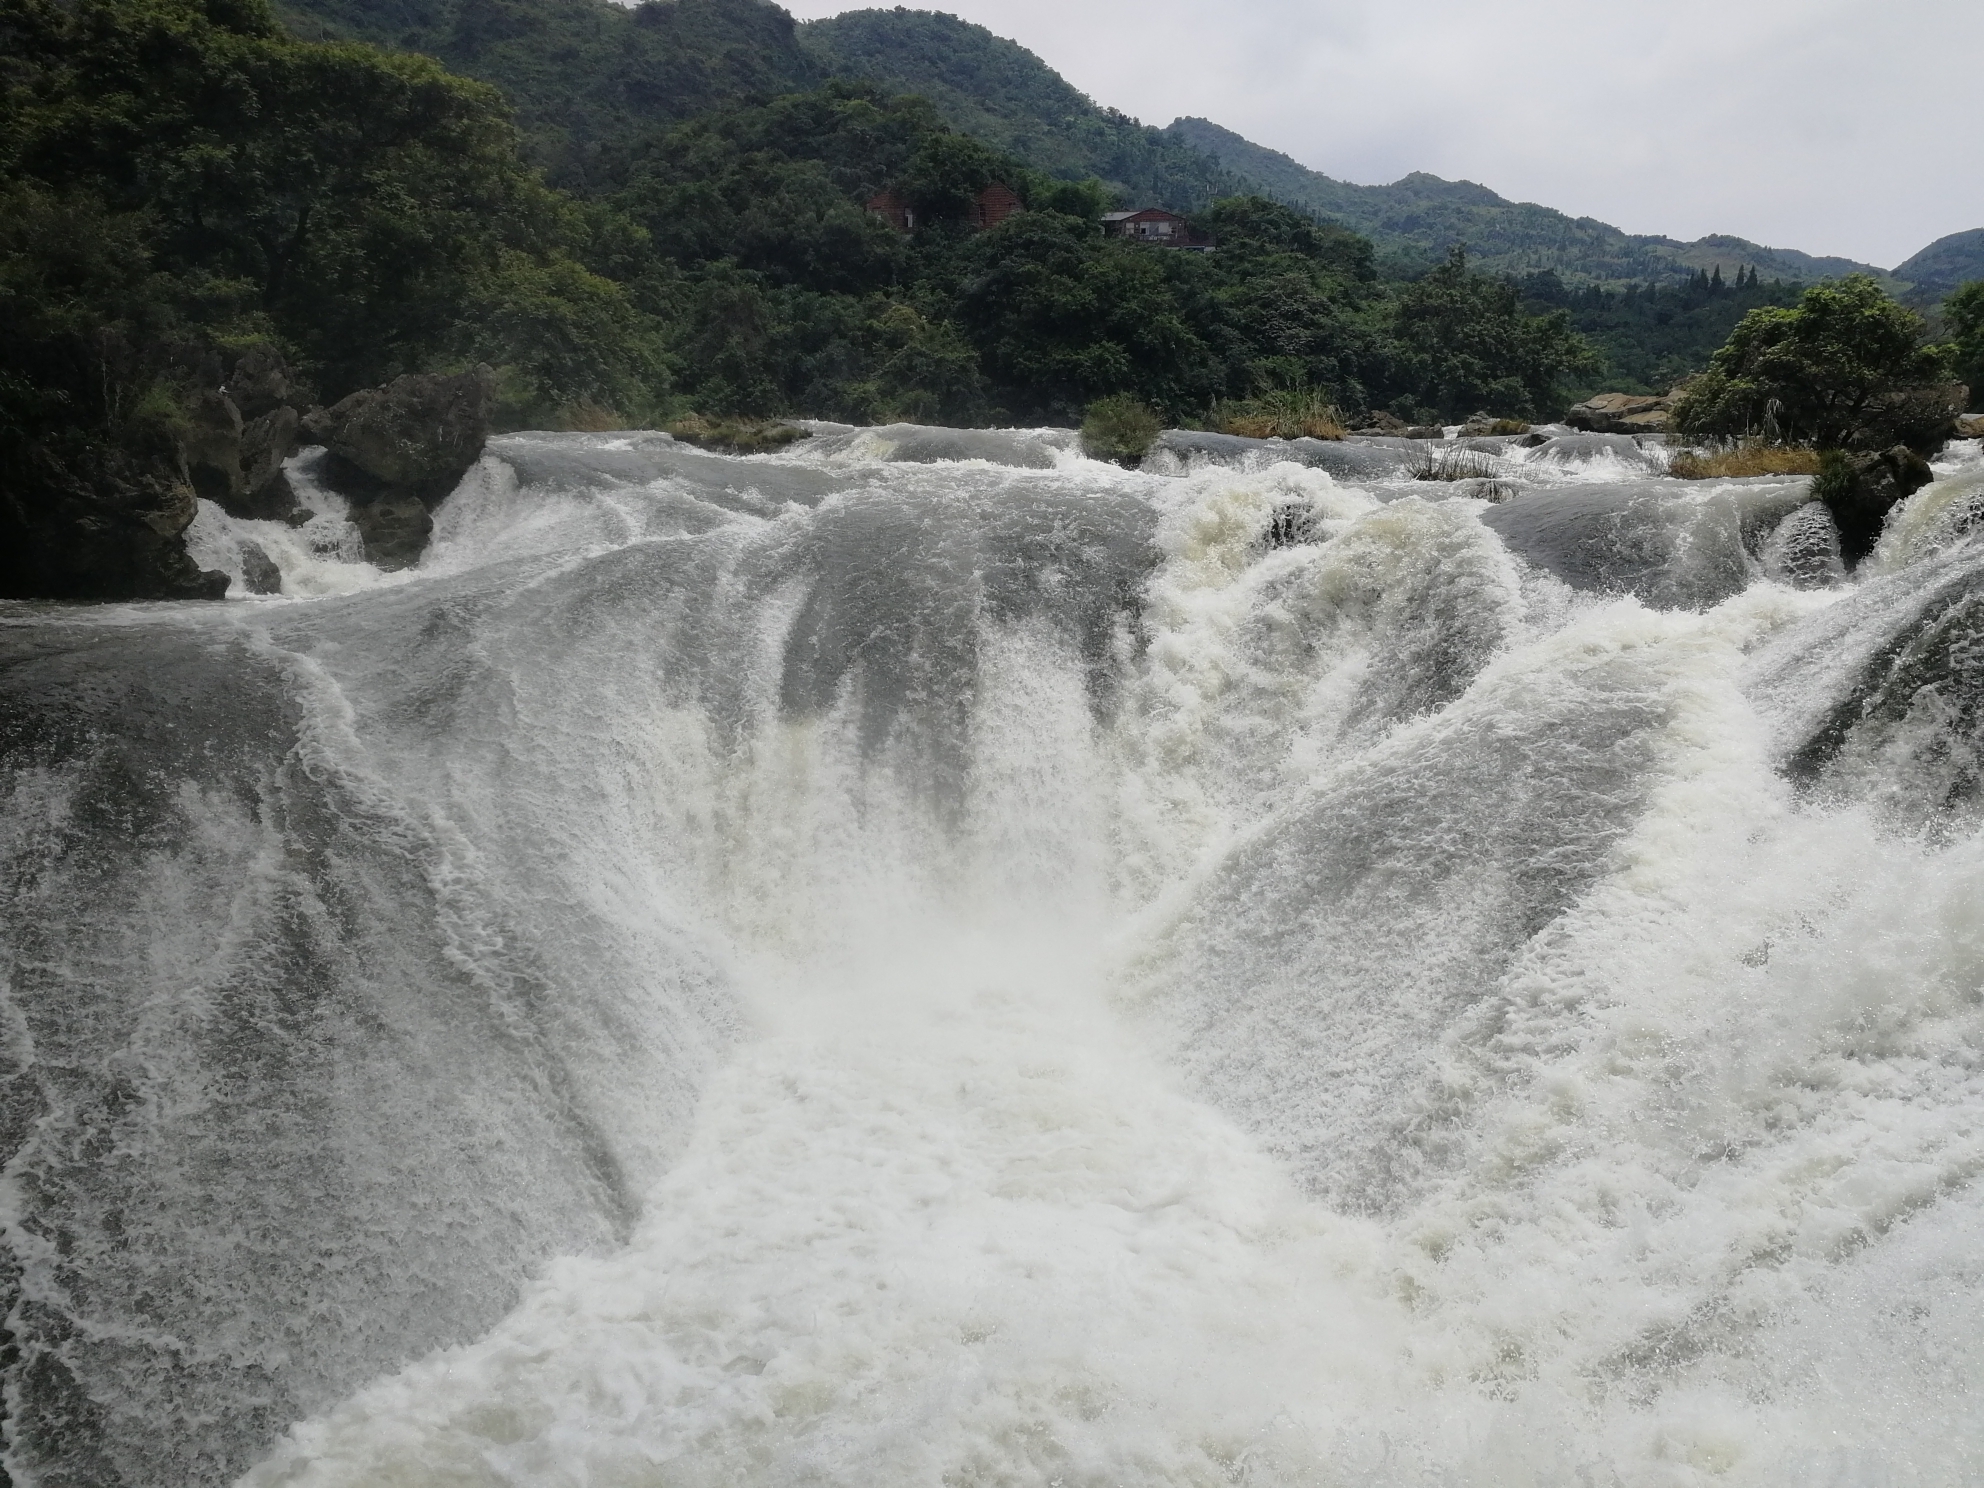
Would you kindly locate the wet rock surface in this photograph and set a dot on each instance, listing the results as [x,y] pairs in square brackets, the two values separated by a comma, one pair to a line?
[395,452]
[1860,491]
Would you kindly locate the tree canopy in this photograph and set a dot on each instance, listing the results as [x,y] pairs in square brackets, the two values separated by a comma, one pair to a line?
[1837,371]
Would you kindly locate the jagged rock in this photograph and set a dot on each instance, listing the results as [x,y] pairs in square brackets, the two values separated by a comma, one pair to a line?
[266,441]
[395,452]
[302,516]
[212,447]
[100,524]
[418,434]
[239,436]
[260,383]
[1621,413]
[1860,491]
[258,570]
[394,526]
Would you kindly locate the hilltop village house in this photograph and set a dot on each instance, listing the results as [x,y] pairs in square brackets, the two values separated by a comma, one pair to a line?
[999,201]
[1150,225]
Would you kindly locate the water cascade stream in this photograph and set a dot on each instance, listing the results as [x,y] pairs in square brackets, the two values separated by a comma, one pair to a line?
[924,959]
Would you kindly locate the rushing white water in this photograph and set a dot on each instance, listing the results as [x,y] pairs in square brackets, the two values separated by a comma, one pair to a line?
[928,960]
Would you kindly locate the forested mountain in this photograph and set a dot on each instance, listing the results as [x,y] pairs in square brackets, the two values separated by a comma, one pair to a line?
[584,75]
[1945,264]
[1002,93]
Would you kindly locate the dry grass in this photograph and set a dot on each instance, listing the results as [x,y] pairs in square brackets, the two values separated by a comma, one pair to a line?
[1744,459]
[1291,414]
[736,436]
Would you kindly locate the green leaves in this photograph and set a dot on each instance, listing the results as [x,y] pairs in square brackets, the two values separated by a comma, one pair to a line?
[1837,371]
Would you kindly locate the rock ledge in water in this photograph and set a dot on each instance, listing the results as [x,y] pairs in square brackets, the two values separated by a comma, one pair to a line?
[395,452]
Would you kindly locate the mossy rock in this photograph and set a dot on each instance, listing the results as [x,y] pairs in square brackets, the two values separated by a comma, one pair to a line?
[736,436]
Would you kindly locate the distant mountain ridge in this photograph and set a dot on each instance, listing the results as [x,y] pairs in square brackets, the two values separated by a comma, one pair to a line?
[1003,93]
[1424,214]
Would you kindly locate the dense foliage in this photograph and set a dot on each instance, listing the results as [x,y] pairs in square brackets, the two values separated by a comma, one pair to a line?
[371,213]
[1651,336]
[999,92]
[1963,314]
[584,75]
[1847,367]
[365,210]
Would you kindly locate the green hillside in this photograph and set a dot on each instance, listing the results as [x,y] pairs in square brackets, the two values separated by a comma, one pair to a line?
[1946,263]
[1422,216]
[583,74]
[997,90]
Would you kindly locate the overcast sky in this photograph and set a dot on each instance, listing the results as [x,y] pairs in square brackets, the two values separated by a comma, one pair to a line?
[1833,126]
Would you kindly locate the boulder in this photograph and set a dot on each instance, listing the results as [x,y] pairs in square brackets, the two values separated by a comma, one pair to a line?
[1971,427]
[239,436]
[1622,413]
[417,435]
[1861,489]
[395,452]
[100,523]
[260,383]
[1424,431]
[211,447]
[258,570]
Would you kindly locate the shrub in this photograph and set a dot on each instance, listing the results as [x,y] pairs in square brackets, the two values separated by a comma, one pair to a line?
[1119,428]
[1750,458]
[1290,413]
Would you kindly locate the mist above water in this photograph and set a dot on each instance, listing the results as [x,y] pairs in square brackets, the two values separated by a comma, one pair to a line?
[926,959]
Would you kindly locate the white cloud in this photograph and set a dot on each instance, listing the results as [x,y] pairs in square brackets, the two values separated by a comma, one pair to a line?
[1833,126]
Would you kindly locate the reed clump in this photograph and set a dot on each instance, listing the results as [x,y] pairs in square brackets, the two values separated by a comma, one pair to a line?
[735,436]
[1288,413]
[1756,458]
[1454,465]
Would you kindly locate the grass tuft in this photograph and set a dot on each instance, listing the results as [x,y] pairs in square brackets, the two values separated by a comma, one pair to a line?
[1289,413]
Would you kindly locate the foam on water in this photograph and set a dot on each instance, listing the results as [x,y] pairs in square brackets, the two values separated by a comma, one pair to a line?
[999,970]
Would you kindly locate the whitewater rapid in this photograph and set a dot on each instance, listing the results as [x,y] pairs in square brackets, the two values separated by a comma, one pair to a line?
[925,959]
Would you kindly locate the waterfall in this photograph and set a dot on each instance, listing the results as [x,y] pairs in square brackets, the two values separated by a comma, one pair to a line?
[926,959]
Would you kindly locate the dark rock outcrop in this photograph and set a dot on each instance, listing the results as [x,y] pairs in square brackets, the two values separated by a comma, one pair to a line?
[240,434]
[395,452]
[259,571]
[100,523]
[1861,489]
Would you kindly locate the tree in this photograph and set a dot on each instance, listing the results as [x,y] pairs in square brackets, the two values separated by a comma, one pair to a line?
[1846,368]
[1963,312]
[1464,345]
